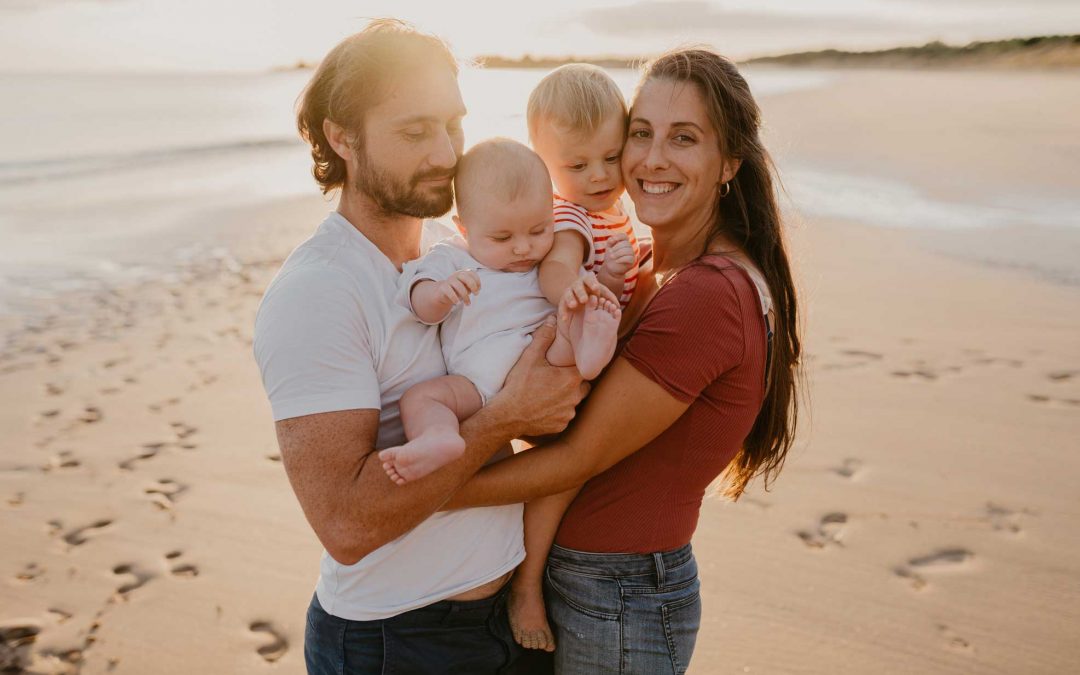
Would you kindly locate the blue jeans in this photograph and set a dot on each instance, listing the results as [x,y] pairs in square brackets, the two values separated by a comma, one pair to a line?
[623,613]
[444,637]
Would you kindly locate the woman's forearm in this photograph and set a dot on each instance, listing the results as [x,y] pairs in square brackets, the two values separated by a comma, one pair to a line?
[534,473]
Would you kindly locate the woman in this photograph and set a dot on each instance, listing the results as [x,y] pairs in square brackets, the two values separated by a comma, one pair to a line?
[705,382]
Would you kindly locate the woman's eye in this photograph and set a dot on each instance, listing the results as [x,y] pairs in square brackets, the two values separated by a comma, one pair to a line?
[684,138]
[639,133]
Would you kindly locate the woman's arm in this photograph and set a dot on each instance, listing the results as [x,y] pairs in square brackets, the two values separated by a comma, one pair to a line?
[625,411]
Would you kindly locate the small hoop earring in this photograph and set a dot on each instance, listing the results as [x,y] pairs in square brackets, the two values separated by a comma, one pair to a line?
[725,189]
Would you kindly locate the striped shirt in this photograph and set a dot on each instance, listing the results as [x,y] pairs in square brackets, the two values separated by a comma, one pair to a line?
[597,228]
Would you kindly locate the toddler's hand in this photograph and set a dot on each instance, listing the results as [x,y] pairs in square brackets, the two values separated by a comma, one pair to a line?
[578,294]
[619,257]
[459,287]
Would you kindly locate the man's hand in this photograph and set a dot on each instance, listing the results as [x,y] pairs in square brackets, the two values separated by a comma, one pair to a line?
[459,287]
[577,295]
[539,397]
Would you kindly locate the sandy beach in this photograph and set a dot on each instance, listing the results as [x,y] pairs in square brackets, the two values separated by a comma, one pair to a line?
[924,523]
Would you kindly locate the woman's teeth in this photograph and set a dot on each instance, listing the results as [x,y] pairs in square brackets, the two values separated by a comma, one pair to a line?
[657,188]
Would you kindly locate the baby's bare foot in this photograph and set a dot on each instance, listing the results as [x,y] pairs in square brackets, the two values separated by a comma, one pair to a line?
[594,332]
[528,620]
[421,456]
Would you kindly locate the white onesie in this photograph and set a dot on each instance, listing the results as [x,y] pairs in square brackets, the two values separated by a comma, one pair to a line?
[482,340]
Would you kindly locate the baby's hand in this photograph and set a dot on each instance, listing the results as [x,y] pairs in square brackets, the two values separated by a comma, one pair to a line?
[459,287]
[619,257]
[578,294]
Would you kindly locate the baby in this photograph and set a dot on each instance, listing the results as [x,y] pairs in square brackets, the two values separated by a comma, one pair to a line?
[577,124]
[483,287]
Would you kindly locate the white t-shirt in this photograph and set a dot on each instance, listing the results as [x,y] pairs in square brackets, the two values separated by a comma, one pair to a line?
[484,339]
[329,336]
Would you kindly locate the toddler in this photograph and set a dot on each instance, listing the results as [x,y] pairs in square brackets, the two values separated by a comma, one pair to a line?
[577,124]
[483,288]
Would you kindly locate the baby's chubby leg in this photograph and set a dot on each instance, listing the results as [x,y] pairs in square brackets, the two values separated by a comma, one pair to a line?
[430,412]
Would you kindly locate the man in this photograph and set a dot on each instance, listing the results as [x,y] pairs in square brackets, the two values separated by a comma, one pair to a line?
[401,588]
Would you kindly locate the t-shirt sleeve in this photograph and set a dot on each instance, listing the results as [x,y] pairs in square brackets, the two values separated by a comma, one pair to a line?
[571,217]
[313,346]
[691,333]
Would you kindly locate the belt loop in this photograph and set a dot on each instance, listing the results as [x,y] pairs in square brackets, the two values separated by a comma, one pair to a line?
[658,561]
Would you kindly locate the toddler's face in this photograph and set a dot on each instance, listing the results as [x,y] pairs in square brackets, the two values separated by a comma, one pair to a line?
[510,236]
[585,170]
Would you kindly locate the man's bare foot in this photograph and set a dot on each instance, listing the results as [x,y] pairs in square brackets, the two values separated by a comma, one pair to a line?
[528,620]
[594,330]
[421,456]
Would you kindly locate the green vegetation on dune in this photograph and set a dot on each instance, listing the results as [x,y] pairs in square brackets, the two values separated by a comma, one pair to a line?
[1046,51]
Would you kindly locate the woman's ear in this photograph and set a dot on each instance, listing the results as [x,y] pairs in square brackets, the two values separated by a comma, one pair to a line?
[731,167]
[338,137]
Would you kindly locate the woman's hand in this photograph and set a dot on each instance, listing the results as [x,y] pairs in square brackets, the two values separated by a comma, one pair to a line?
[540,398]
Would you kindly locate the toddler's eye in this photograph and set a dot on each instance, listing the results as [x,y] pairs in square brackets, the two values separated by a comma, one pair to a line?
[576,167]
[612,159]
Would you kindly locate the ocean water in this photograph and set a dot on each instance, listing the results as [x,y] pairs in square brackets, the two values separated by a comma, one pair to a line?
[107,177]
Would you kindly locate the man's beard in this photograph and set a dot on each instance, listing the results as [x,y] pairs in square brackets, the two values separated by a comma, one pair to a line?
[404,197]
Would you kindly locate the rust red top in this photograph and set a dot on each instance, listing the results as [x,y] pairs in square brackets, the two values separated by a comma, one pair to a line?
[703,339]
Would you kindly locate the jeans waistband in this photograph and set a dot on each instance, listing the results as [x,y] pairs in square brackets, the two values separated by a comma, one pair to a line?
[442,613]
[620,564]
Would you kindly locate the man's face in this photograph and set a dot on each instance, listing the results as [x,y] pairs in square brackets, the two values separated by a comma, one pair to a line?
[410,145]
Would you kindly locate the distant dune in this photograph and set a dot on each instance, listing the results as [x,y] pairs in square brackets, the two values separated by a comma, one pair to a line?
[1051,51]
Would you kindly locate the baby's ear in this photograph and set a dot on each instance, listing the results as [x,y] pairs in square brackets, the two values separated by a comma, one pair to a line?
[460,227]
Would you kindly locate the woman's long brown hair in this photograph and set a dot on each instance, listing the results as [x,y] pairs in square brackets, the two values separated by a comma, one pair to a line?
[749,216]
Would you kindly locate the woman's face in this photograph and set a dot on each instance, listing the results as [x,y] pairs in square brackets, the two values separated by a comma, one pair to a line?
[671,162]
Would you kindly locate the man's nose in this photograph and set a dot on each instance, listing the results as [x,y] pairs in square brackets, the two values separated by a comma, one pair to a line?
[443,155]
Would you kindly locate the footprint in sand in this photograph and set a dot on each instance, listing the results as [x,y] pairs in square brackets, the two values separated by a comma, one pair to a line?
[29,573]
[81,535]
[276,648]
[1043,398]
[150,450]
[138,579]
[53,389]
[855,358]
[16,499]
[954,642]
[164,493]
[62,460]
[61,616]
[15,641]
[1004,519]
[276,457]
[182,430]
[848,468]
[159,406]
[1062,375]
[828,533]
[942,560]
[180,569]
[91,415]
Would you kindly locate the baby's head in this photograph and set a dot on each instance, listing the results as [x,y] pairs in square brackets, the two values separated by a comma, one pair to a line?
[504,205]
[577,123]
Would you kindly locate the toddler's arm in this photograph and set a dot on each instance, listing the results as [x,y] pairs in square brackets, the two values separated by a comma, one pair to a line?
[432,300]
[562,265]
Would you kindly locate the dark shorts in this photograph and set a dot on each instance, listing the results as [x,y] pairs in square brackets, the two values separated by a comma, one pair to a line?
[445,637]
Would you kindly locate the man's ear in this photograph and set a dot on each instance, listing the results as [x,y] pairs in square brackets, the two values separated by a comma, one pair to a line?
[731,167]
[460,227]
[338,137]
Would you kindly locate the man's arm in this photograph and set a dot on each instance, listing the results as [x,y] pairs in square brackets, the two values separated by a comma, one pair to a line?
[348,499]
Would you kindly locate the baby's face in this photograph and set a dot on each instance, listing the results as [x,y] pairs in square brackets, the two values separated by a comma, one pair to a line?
[510,236]
[585,170]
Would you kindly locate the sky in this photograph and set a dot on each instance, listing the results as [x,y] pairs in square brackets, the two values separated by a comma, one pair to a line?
[225,35]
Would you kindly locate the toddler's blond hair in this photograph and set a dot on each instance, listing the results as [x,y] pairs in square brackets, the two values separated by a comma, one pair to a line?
[576,98]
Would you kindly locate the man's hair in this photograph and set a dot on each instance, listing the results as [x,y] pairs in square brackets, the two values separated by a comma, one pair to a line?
[353,78]
[498,168]
[576,98]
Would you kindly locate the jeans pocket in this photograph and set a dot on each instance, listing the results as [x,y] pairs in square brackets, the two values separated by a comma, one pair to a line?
[596,596]
[682,619]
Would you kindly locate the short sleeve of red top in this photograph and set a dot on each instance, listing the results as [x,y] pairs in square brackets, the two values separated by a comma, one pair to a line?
[701,338]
